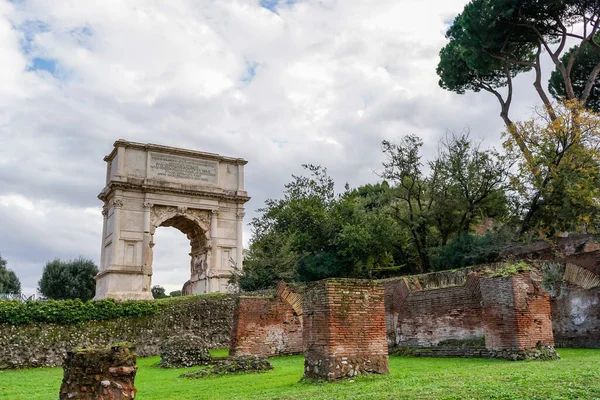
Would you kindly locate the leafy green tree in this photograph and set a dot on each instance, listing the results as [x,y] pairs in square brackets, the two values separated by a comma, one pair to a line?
[312,233]
[412,190]
[470,183]
[9,282]
[492,41]
[464,184]
[582,67]
[73,279]
[561,183]
[175,293]
[158,292]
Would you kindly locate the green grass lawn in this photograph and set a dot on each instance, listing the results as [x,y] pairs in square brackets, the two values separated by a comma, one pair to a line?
[576,376]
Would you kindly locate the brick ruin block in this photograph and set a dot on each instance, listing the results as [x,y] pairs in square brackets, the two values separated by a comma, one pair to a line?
[99,374]
[344,329]
[264,326]
[516,312]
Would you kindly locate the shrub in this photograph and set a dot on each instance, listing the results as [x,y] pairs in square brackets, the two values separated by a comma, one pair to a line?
[231,365]
[184,351]
[72,311]
[73,279]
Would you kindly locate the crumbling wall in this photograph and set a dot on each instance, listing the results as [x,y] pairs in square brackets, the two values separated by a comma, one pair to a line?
[265,326]
[45,345]
[427,317]
[516,312]
[344,329]
[99,374]
[494,312]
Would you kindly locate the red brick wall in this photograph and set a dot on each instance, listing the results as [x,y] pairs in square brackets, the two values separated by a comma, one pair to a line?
[344,329]
[516,312]
[427,317]
[265,327]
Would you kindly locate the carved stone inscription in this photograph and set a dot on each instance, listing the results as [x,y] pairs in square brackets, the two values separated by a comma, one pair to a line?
[167,166]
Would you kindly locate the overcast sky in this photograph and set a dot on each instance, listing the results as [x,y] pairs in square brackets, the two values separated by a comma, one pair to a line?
[279,83]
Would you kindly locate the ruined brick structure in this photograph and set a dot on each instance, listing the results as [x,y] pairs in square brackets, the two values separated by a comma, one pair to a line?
[575,299]
[264,326]
[424,318]
[516,312]
[465,313]
[344,329]
[99,374]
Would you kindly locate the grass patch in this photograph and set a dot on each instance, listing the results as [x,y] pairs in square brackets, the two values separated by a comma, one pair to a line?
[575,376]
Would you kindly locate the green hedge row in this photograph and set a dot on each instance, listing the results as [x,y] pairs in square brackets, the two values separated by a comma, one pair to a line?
[73,311]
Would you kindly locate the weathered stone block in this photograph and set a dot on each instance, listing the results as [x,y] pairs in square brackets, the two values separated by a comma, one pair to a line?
[184,351]
[99,374]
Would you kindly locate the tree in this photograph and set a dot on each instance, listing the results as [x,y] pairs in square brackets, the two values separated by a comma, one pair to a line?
[312,233]
[73,279]
[412,191]
[175,293]
[582,67]
[464,184]
[561,183]
[9,282]
[158,292]
[471,182]
[492,41]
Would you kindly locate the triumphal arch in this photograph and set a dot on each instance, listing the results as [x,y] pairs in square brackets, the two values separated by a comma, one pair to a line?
[148,186]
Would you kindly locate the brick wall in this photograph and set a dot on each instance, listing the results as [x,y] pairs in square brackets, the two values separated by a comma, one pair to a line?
[344,329]
[265,327]
[516,312]
[506,313]
[427,317]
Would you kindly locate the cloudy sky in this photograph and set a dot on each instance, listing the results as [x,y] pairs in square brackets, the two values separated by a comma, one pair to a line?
[277,82]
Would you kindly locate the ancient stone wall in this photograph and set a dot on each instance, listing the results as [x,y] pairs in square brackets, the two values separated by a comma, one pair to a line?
[576,316]
[344,329]
[99,374]
[45,345]
[265,326]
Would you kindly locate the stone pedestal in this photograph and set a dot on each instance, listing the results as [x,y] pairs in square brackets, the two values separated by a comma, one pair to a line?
[344,329]
[99,374]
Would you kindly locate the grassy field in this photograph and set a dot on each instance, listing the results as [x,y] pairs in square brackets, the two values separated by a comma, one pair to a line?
[576,376]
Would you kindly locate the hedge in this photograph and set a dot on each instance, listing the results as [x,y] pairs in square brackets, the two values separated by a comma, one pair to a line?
[76,311]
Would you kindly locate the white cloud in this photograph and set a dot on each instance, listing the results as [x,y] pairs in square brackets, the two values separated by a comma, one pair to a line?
[319,82]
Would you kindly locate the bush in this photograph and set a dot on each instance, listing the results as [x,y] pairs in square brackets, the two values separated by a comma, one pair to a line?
[73,279]
[184,351]
[231,365]
[468,249]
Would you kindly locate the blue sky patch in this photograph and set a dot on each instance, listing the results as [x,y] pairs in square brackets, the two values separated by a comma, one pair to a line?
[43,64]
[250,71]
[272,5]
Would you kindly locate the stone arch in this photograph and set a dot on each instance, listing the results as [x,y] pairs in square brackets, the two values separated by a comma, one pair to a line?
[147,186]
[195,224]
